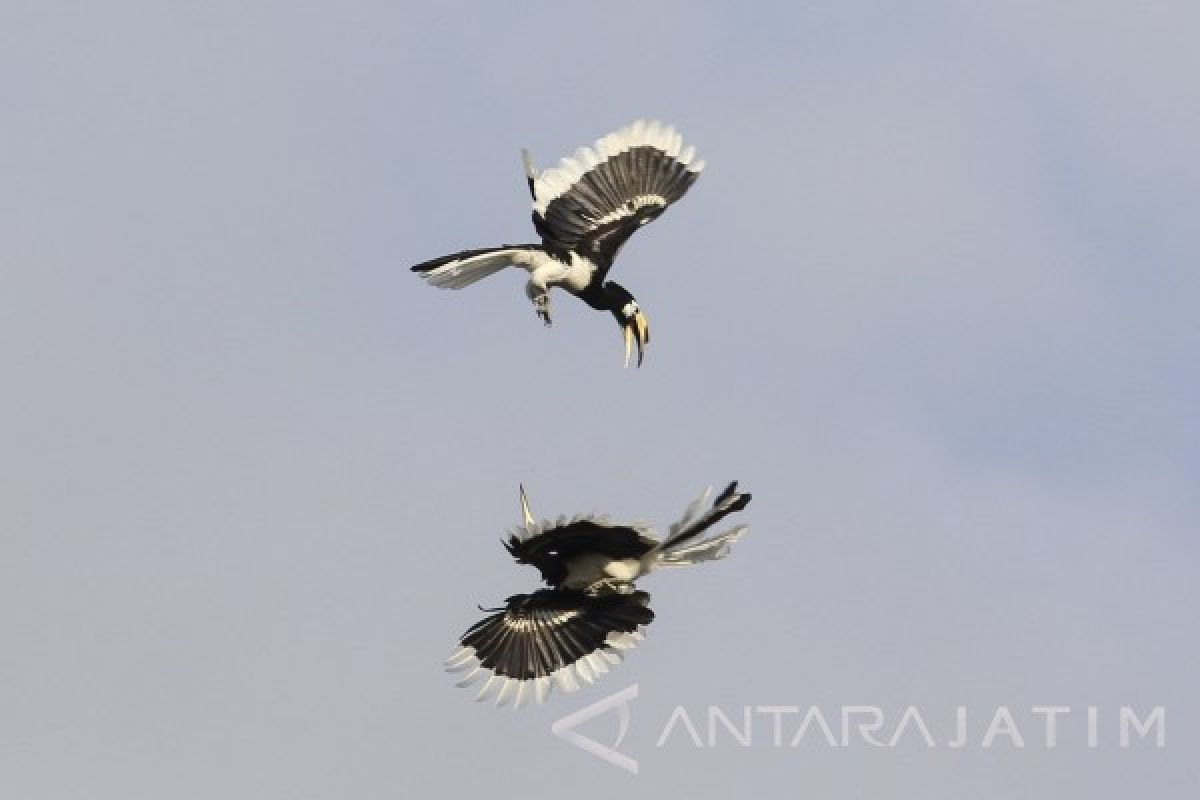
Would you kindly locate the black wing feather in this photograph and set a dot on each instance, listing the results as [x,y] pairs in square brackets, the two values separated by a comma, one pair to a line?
[522,642]
[601,245]
[641,176]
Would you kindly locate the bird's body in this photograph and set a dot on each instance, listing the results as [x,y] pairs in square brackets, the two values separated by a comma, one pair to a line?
[585,209]
[574,274]
[575,629]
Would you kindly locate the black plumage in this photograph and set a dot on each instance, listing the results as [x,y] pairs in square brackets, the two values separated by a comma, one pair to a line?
[552,551]
[585,210]
[576,629]
[585,621]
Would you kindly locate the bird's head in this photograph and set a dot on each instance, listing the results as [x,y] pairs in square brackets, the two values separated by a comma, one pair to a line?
[630,317]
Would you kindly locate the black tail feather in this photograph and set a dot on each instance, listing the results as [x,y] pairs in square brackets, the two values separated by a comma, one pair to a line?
[728,502]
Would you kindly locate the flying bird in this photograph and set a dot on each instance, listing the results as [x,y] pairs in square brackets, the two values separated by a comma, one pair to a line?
[577,629]
[585,209]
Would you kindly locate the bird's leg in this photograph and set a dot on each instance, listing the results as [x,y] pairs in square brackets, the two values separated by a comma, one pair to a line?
[539,294]
[541,304]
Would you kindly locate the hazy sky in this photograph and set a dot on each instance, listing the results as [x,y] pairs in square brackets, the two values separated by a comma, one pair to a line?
[933,301]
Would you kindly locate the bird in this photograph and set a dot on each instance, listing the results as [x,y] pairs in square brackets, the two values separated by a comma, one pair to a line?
[585,209]
[578,628]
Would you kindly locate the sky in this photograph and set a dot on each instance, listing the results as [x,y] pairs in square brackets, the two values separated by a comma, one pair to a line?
[933,301]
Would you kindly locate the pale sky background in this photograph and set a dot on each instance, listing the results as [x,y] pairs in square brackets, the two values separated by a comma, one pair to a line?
[934,302]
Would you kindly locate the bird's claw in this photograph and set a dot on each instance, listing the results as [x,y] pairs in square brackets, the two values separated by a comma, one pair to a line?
[542,306]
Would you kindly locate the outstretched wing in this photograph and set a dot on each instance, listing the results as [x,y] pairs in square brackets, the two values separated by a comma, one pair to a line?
[551,638]
[595,200]
[462,269]
[551,546]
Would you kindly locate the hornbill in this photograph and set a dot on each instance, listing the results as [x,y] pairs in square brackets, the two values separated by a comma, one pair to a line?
[585,209]
[576,629]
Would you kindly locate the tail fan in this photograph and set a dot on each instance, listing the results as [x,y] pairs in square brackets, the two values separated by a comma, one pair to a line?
[458,270]
[680,549]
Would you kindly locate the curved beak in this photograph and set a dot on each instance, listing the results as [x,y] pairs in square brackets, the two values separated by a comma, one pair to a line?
[636,328]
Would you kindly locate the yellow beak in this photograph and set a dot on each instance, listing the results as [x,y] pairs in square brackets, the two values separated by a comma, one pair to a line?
[528,517]
[637,328]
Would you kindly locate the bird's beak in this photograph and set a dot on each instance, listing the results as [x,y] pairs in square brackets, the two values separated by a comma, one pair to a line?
[525,514]
[637,328]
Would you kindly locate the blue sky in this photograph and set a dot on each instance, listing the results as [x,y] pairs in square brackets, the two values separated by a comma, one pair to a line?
[933,301]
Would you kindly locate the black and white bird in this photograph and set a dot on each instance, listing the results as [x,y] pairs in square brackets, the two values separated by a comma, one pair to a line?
[585,209]
[576,629]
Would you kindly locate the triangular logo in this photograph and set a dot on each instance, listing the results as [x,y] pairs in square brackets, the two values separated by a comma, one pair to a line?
[565,728]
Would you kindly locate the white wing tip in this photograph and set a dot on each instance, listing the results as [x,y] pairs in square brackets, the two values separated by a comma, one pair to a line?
[556,181]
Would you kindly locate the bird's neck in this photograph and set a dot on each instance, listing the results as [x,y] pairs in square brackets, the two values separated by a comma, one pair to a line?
[596,296]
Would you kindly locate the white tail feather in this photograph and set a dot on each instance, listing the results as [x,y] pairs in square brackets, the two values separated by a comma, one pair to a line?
[710,549]
[690,513]
[683,544]
[460,272]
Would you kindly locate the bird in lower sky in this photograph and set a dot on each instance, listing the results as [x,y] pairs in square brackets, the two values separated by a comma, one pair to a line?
[577,629]
[585,209]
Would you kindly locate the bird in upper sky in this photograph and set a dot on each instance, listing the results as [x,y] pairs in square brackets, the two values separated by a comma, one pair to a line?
[585,209]
[576,629]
